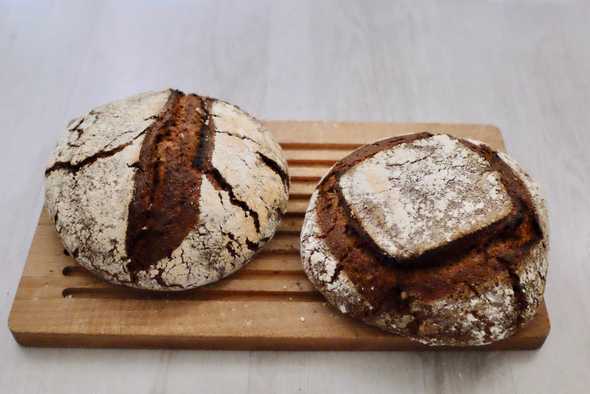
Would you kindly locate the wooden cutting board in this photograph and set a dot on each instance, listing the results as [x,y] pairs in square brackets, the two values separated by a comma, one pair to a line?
[267,305]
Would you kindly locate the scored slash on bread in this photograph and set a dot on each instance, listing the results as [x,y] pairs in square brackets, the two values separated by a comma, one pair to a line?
[166,190]
[409,207]
[429,236]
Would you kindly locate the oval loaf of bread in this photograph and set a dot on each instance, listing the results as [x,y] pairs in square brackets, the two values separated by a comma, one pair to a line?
[428,236]
[166,190]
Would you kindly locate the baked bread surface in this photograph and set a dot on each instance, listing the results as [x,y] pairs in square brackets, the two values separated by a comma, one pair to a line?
[166,190]
[436,238]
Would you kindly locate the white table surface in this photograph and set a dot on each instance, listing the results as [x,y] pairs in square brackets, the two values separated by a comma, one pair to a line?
[522,65]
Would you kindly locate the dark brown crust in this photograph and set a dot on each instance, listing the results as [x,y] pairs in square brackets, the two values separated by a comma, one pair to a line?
[467,266]
[165,206]
[519,232]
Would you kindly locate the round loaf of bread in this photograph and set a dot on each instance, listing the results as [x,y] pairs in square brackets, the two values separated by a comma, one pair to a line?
[433,237]
[166,190]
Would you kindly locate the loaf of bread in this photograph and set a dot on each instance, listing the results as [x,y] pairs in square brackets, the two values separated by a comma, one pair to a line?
[166,190]
[433,237]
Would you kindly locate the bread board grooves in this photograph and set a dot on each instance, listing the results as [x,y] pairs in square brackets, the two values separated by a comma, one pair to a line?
[268,305]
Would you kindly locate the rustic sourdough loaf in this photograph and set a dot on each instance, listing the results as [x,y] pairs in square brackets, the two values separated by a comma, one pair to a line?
[166,190]
[429,236]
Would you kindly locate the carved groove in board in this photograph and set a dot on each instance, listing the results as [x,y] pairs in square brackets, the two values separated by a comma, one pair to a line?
[296,197]
[292,215]
[310,163]
[305,179]
[318,146]
[302,196]
[73,270]
[193,295]
[277,253]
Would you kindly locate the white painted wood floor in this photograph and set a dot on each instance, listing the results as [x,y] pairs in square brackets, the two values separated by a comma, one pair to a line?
[522,65]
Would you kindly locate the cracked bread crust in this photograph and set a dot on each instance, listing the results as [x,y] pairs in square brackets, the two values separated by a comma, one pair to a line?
[166,191]
[468,284]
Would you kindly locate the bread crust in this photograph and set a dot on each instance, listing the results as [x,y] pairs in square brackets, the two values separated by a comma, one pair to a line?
[166,191]
[471,286]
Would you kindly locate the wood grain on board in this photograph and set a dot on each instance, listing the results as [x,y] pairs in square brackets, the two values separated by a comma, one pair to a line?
[269,304]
